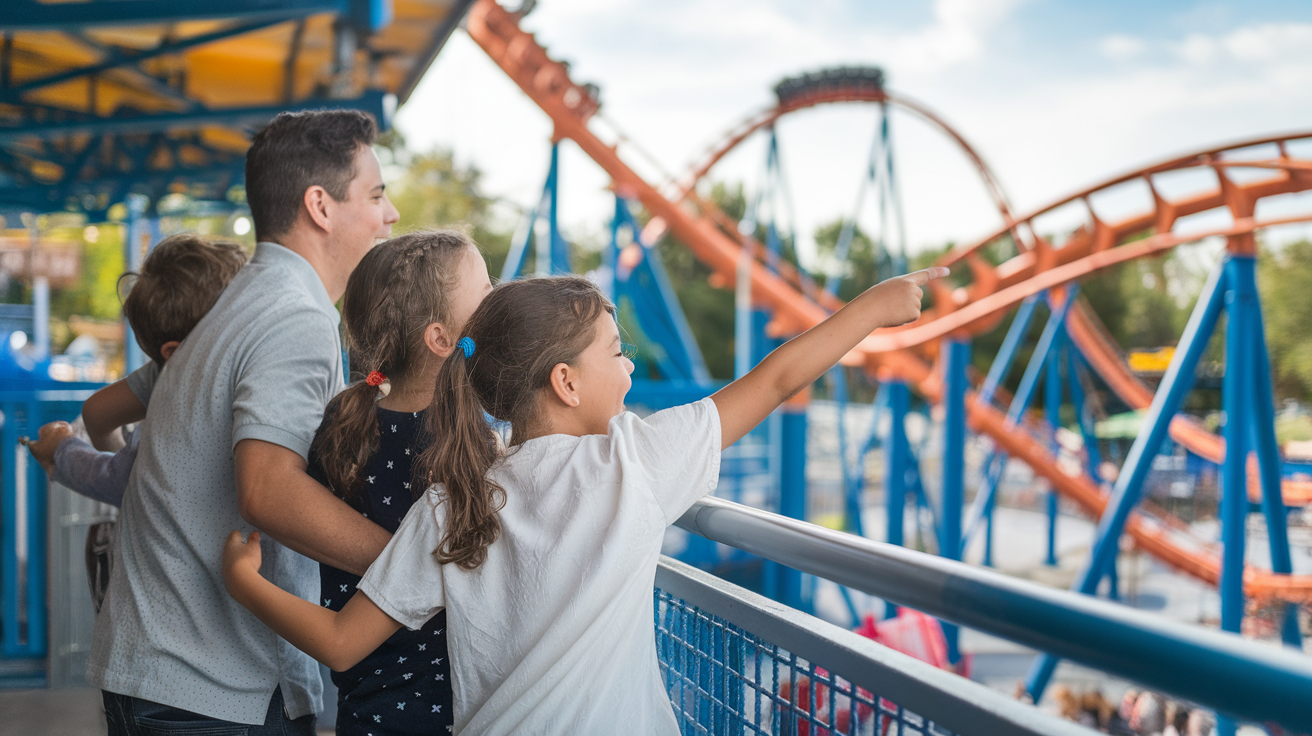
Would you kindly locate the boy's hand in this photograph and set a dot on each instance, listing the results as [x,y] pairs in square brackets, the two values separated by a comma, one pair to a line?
[241,560]
[901,296]
[48,439]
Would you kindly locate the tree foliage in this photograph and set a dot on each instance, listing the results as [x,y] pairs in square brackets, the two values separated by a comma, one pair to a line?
[1284,276]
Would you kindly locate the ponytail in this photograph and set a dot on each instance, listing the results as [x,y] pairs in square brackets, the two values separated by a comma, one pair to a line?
[522,329]
[464,449]
[348,439]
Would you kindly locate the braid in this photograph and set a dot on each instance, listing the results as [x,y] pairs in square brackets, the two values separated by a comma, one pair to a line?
[399,288]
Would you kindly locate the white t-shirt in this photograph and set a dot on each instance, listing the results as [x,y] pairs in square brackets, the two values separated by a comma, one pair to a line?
[553,634]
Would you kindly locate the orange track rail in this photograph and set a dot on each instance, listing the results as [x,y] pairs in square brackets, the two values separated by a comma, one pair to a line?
[901,352]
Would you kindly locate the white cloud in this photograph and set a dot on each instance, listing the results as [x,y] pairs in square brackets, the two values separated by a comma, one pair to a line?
[675,74]
[1119,47]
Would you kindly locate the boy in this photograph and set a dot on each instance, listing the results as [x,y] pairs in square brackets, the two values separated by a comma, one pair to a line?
[180,280]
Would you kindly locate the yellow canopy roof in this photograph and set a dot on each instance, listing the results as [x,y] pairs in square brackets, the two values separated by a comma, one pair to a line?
[101,98]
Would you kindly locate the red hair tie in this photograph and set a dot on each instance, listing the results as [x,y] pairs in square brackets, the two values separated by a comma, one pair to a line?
[375,378]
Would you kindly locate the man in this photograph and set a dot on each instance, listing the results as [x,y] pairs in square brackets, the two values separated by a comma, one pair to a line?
[230,425]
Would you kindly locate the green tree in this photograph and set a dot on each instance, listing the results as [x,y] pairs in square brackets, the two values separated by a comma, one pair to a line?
[434,192]
[1283,276]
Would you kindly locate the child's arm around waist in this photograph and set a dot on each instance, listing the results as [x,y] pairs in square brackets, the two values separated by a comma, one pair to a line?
[799,362]
[337,639]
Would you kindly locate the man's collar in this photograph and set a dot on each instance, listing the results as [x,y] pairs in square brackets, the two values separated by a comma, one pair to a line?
[273,253]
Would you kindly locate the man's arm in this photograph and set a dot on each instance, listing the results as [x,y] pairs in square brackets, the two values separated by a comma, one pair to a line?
[277,496]
[108,409]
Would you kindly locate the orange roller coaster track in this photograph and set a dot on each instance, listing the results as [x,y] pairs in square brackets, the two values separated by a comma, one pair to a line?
[1039,264]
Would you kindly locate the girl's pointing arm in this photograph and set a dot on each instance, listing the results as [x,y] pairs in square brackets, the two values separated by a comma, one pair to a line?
[746,402]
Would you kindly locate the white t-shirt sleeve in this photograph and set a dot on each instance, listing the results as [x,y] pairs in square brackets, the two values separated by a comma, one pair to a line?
[675,451]
[406,580]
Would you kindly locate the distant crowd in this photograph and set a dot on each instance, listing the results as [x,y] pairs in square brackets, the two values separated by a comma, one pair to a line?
[1140,713]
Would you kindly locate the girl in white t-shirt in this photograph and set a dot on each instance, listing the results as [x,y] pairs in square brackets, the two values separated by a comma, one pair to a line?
[544,556]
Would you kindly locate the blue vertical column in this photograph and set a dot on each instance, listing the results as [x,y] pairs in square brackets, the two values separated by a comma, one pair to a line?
[1052,407]
[1236,393]
[1268,461]
[792,491]
[898,458]
[134,358]
[954,461]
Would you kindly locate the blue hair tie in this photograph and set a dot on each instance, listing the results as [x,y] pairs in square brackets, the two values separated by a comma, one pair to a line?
[467,345]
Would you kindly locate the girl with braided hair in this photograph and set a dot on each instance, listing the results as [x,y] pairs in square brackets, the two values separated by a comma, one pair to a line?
[404,308]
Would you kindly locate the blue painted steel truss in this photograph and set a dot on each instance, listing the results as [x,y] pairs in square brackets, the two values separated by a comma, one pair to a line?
[1248,402]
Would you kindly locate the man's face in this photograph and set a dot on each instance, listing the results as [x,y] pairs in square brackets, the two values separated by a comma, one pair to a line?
[366,216]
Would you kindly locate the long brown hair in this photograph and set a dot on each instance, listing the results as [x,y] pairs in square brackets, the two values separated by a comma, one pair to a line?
[400,287]
[521,331]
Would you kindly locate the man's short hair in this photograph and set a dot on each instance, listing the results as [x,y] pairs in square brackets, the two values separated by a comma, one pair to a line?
[299,150]
[179,282]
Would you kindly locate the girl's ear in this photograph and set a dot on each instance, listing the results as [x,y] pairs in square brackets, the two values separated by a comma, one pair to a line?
[565,385]
[439,340]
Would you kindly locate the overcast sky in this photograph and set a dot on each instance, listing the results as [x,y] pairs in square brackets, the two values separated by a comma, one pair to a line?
[1055,95]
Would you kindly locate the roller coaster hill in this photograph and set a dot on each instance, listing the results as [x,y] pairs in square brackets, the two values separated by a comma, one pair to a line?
[929,360]
[738,639]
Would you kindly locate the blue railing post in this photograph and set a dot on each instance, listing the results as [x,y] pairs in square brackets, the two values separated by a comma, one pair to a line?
[895,483]
[1175,385]
[954,462]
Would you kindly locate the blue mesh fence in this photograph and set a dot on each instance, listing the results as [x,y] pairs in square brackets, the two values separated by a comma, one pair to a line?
[724,680]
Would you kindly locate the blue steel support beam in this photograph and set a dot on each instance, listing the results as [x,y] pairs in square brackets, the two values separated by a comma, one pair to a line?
[1030,381]
[374,102]
[895,484]
[558,261]
[1241,303]
[649,287]
[1052,408]
[1082,415]
[792,492]
[1236,393]
[1170,393]
[26,15]
[954,462]
[1268,463]
[1020,325]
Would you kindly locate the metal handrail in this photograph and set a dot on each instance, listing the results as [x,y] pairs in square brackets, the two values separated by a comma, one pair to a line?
[963,706]
[1240,678]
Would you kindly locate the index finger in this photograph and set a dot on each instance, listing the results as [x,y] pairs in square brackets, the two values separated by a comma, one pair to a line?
[920,278]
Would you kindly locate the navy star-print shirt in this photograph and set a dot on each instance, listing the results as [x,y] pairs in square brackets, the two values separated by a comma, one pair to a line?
[404,686]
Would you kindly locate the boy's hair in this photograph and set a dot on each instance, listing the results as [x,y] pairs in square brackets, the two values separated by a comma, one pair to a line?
[400,287]
[521,331]
[178,283]
[299,150]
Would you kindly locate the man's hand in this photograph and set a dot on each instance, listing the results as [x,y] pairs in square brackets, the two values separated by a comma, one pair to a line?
[48,439]
[275,495]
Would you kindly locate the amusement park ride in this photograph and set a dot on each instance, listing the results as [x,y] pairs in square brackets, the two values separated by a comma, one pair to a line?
[322,62]
[931,355]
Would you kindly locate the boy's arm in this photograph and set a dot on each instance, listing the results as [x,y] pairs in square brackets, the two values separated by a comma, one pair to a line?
[108,409]
[277,496]
[70,462]
[799,362]
[337,639]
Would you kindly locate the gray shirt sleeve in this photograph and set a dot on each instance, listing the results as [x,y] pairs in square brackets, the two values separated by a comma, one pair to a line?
[286,381]
[102,476]
[142,381]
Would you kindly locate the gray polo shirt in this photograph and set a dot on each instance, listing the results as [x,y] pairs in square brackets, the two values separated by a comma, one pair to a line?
[261,365]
